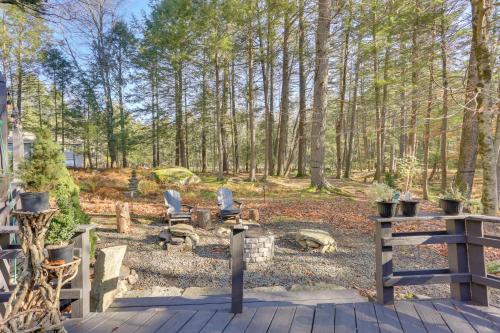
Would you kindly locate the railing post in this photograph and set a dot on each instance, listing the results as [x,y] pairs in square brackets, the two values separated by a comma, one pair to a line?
[81,307]
[479,292]
[383,262]
[458,260]
[237,242]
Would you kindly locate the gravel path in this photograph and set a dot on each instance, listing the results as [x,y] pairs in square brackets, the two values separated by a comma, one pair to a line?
[352,266]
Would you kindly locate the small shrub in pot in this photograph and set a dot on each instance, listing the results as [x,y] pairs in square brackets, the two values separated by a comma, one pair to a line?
[452,201]
[386,199]
[409,206]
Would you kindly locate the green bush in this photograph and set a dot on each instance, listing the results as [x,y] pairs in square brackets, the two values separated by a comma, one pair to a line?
[46,171]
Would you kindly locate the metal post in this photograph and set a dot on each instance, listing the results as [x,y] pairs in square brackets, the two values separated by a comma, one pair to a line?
[237,241]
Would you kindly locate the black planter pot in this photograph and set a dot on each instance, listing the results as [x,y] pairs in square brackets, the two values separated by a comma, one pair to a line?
[452,207]
[60,254]
[387,209]
[34,201]
[409,207]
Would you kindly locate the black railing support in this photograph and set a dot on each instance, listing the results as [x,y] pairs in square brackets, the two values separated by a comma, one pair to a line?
[237,242]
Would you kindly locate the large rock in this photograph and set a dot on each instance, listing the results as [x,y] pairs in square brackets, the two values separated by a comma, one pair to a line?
[311,239]
[106,277]
[175,175]
[181,230]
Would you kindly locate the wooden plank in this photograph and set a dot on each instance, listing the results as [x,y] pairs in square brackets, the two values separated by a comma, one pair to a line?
[408,280]
[159,318]
[477,319]
[218,322]
[135,322]
[366,320]
[176,322]
[237,240]
[102,322]
[483,218]
[454,319]
[261,320]
[487,240]
[69,324]
[345,320]
[9,229]
[458,261]
[477,267]
[303,319]
[489,280]
[432,237]
[423,217]
[196,323]
[240,321]
[383,263]
[282,320]
[432,319]
[388,320]
[81,307]
[324,318]
[408,317]
[11,254]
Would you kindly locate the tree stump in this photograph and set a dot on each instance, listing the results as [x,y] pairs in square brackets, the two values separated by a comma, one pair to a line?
[203,218]
[253,215]
[122,217]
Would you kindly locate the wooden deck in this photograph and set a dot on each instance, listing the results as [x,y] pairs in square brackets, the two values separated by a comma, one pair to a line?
[405,316]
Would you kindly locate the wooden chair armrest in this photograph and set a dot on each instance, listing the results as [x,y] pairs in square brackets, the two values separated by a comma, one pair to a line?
[239,203]
[189,207]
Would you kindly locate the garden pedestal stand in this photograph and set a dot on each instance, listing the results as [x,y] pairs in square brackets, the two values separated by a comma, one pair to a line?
[34,304]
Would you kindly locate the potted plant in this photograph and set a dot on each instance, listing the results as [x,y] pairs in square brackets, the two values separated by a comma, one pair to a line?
[385,198]
[452,201]
[408,168]
[409,206]
[62,228]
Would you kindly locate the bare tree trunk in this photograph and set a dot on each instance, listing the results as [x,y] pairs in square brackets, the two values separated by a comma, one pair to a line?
[343,86]
[220,158]
[225,90]
[301,160]
[354,107]
[378,146]
[444,121]
[204,120]
[250,103]
[320,95]
[285,88]
[480,41]
[427,132]
[467,157]
[270,69]
[412,139]
[236,152]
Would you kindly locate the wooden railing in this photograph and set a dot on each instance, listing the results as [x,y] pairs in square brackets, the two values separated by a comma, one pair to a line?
[79,293]
[465,238]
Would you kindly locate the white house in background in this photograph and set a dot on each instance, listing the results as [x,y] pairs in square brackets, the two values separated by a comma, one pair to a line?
[72,150]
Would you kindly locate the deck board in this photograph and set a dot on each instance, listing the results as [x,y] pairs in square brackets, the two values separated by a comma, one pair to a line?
[440,316]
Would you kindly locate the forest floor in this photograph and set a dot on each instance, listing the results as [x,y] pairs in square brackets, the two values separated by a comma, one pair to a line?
[285,205]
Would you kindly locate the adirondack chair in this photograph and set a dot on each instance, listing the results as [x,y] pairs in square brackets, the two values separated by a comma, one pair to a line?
[174,208]
[227,209]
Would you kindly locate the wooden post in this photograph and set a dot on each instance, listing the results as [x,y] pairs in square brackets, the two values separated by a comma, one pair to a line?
[81,307]
[4,268]
[458,260]
[479,292]
[237,241]
[383,263]
[122,217]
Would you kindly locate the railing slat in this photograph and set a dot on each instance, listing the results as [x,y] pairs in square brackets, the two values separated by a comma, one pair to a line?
[410,280]
[419,239]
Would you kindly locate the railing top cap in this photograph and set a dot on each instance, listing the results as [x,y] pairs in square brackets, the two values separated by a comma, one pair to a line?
[436,217]
[423,217]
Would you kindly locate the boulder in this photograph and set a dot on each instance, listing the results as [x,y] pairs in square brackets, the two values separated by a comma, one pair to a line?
[106,277]
[311,239]
[177,240]
[181,230]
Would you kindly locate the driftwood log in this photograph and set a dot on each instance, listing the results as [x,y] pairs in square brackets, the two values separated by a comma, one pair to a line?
[122,217]
[34,303]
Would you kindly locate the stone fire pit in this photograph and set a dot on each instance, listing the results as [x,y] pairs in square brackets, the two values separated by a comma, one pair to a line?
[258,246]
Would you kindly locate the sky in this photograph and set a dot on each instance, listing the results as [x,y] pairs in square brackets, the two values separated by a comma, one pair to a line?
[134,7]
